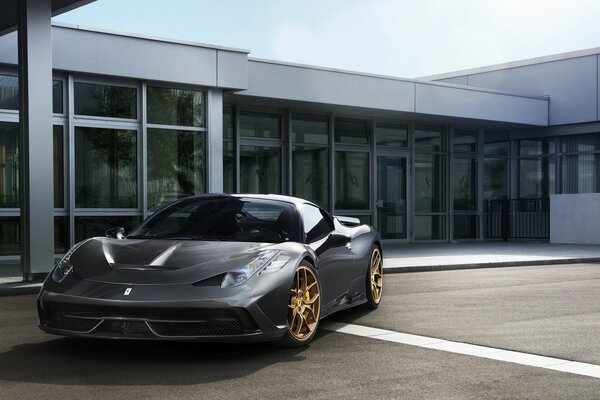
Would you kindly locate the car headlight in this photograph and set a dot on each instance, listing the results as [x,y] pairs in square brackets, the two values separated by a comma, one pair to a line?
[266,261]
[64,266]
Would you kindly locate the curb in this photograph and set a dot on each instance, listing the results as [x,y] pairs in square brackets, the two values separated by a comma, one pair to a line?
[19,288]
[503,264]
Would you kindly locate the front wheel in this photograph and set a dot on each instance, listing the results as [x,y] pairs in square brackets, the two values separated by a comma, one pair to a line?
[304,308]
[374,279]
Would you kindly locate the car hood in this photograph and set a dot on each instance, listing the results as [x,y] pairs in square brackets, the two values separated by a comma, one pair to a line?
[153,261]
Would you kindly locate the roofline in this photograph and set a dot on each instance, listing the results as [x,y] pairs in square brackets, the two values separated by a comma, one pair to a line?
[71,7]
[147,37]
[393,78]
[56,12]
[514,64]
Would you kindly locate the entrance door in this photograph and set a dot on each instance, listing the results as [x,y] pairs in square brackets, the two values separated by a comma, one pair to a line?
[391,197]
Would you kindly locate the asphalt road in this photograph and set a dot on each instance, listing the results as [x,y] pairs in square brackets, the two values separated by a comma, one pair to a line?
[553,311]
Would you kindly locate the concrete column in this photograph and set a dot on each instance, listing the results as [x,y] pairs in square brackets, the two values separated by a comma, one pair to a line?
[36,144]
[215,141]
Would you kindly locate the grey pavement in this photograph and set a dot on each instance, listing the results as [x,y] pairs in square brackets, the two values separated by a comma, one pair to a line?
[547,310]
[450,256]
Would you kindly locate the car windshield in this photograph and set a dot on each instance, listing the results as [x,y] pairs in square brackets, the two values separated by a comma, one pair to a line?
[222,218]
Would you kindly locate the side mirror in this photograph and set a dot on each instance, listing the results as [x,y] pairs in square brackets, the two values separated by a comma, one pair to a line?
[335,239]
[115,233]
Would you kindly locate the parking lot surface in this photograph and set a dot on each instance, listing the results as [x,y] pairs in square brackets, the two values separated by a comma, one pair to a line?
[551,311]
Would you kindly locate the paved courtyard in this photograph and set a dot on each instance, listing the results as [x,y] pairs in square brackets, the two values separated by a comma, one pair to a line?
[551,311]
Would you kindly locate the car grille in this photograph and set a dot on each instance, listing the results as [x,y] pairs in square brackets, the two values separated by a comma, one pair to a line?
[124,328]
[146,321]
[69,323]
[212,328]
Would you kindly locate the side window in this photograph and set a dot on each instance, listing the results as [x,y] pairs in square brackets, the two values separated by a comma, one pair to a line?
[316,225]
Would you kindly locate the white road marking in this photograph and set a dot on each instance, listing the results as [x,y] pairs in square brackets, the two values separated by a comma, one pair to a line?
[515,357]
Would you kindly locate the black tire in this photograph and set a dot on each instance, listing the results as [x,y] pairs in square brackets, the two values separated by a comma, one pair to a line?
[372,300]
[290,339]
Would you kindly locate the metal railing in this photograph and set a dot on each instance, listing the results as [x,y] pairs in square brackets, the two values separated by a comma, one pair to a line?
[517,219]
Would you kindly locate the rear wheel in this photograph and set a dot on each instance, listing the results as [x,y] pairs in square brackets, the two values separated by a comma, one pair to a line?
[304,308]
[374,279]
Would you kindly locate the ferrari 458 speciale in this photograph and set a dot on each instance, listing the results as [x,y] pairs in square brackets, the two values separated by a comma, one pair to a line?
[216,268]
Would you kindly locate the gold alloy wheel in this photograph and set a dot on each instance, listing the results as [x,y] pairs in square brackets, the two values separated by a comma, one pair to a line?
[376,276]
[305,304]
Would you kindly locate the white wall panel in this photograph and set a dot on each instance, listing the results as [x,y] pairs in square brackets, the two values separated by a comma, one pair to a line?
[465,103]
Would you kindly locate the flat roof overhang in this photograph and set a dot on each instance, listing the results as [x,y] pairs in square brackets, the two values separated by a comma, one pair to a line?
[9,17]
[277,83]
[83,50]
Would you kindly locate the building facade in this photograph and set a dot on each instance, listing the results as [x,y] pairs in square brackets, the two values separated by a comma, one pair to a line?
[138,122]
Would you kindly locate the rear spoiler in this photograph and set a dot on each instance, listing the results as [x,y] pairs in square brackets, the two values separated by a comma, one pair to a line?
[348,221]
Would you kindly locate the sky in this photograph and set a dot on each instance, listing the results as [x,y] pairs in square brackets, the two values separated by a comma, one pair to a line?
[404,38]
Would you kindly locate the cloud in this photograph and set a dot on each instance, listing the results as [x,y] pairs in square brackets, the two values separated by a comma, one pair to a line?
[414,38]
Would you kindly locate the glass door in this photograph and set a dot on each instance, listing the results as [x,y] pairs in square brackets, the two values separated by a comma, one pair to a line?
[391,197]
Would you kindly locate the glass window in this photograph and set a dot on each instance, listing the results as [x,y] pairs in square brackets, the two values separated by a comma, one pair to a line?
[352,180]
[465,141]
[316,226]
[581,143]
[350,131]
[581,173]
[180,107]
[105,101]
[495,178]
[260,125]
[228,123]
[536,178]
[495,149]
[9,92]
[61,235]
[176,165]
[430,138]
[59,193]
[105,168]
[9,236]
[533,147]
[430,185]
[430,227]
[9,165]
[391,197]
[465,226]
[57,97]
[224,218]
[391,135]
[260,169]
[310,129]
[228,167]
[87,227]
[228,151]
[310,174]
[465,183]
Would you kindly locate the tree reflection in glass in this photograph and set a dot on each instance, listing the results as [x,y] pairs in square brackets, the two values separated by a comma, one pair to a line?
[180,107]
[176,165]
[105,168]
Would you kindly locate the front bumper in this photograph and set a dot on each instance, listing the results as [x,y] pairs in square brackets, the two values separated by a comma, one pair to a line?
[161,312]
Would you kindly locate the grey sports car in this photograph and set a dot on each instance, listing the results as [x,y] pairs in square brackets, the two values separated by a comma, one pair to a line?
[216,268]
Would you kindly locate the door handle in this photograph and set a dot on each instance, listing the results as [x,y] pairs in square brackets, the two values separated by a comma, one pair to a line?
[349,246]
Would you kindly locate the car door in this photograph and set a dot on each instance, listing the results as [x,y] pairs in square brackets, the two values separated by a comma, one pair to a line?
[334,260]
